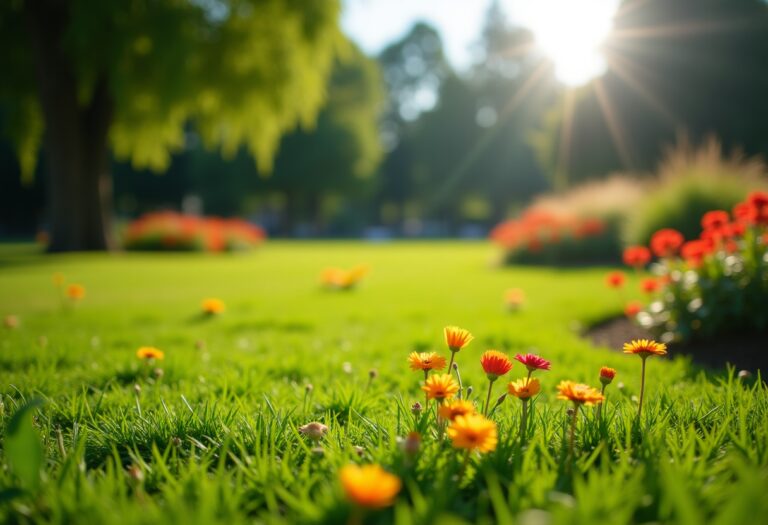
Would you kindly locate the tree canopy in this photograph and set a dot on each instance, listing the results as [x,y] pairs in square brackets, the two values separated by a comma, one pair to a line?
[244,72]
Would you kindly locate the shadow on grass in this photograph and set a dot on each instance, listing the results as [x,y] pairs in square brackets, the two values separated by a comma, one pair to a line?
[744,351]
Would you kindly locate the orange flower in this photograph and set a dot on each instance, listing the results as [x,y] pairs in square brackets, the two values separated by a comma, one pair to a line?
[440,387]
[607,375]
[645,347]
[343,279]
[473,432]
[212,306]
[524,388]
[459,407]
[426,361]
[457,338]
[615,279]
[369,486]
[514,298]
[633,308]
[495,364]
[149,352]
[579,393]
[75,291]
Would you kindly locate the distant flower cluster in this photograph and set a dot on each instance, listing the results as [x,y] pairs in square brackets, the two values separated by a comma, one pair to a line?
[170,231]
[534,229]
[712,284]
[341,279]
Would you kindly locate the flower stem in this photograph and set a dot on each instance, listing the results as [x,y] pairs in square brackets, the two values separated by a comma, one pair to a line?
[642,389]
[426,394]
[488,397]
[450,365]
[464,465]
[523,422]
[572,439]
[600,406]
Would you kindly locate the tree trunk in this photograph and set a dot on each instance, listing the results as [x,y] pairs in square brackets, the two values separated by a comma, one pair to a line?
[80,187]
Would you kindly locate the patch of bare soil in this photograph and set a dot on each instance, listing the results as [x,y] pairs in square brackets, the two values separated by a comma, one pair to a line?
[744,351]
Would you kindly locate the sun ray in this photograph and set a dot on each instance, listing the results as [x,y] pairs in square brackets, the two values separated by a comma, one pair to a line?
[564,146]
[614,126]
[631,74]
[688,29]
[535,78]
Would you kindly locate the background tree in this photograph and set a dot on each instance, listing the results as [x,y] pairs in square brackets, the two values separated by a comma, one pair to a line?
[92,76]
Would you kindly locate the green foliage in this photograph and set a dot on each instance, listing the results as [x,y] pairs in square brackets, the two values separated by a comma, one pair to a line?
[214,438]
[691,183]
[22,446]
[680,203]
[243,72]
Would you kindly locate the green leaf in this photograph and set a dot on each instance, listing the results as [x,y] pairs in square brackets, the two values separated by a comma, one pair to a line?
[23,447]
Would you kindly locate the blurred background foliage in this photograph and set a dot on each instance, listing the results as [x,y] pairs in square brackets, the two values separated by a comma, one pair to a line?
[401,144]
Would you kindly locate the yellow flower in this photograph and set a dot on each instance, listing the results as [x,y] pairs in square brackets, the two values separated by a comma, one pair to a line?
[75,291]
[426,361]
[58,279]
[149,352]
[645,347]
[579,393]
[524,388]
[369,486]
[212,306]
[440,387]
[457,338]
[459,407]
[473,432]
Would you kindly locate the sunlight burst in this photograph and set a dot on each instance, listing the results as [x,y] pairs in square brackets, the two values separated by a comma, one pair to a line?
[571,34]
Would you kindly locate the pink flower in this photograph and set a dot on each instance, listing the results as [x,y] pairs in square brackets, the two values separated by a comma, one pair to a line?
[533,362]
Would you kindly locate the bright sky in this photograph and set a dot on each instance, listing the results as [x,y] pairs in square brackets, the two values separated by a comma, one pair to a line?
[568,30]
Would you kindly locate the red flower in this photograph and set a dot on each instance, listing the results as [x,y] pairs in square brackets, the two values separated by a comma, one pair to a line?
[533,362]
[666,242]
[637,256]
[650,285]
[607,375]
[745,213]
[758,199]
[695,251]
[714,220]
[495,364]
[615,279]
[633,308]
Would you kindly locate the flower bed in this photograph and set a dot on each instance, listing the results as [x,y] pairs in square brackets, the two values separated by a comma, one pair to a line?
[715,284]
[170,231]
[542,237]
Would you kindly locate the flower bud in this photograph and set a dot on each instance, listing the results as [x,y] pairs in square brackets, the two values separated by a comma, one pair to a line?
[416,409]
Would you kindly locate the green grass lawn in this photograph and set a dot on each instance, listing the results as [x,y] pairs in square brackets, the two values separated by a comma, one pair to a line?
[215,439]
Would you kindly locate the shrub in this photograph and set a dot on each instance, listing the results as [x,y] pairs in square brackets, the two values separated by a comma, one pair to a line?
[579,226]
[689,183]
[170,231]
[546,238]
[716,283]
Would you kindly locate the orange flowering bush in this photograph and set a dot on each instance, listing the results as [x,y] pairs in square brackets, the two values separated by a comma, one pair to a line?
[540,236]
[171,231]
[715,283]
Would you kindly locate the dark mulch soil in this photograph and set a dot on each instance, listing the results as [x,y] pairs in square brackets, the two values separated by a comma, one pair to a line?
[744,351]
